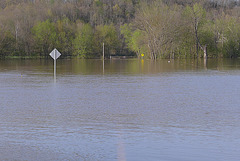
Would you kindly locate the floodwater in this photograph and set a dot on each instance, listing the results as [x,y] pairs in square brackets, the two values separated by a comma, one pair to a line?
[132,110]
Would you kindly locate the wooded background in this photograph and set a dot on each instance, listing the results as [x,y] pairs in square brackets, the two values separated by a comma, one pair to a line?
[157,28]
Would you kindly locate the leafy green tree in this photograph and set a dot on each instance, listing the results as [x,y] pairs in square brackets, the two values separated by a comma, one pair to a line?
[138,43]
[134,39]
[83,43]
[45,37]
[7,43]
[64,36]
[207,35]
[228,35]
[126,31]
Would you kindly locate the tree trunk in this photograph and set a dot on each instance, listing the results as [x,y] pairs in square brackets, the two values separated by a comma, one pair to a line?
[197,47]
[205,52]
[196,35]
[204,48]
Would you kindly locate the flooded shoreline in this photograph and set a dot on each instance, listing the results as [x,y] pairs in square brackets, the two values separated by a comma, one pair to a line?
[134,111]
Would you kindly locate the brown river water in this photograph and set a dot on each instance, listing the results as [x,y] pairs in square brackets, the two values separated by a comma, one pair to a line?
[124,110]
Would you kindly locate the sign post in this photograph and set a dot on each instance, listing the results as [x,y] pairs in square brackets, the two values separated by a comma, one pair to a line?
[103,58]
[55,54]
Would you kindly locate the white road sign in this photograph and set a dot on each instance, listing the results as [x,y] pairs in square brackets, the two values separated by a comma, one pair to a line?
[55,54]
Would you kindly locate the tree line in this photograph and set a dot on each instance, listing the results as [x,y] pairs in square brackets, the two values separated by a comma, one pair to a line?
[157,28]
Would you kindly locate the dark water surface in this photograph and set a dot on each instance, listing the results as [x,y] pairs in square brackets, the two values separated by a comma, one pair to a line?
[132,110]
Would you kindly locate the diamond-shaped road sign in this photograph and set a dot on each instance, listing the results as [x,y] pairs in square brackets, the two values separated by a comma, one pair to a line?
[55,54]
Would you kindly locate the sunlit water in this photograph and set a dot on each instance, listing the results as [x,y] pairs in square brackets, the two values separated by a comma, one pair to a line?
[131,110]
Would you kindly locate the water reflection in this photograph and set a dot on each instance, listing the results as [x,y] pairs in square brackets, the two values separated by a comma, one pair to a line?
[103,66]
[131,66]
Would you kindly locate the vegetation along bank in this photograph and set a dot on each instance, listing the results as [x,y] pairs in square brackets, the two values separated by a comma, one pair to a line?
[157,28]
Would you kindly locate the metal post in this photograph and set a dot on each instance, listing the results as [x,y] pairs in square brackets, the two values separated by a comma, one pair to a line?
[103,58]
[55,65]
[55,69]
[103,51]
